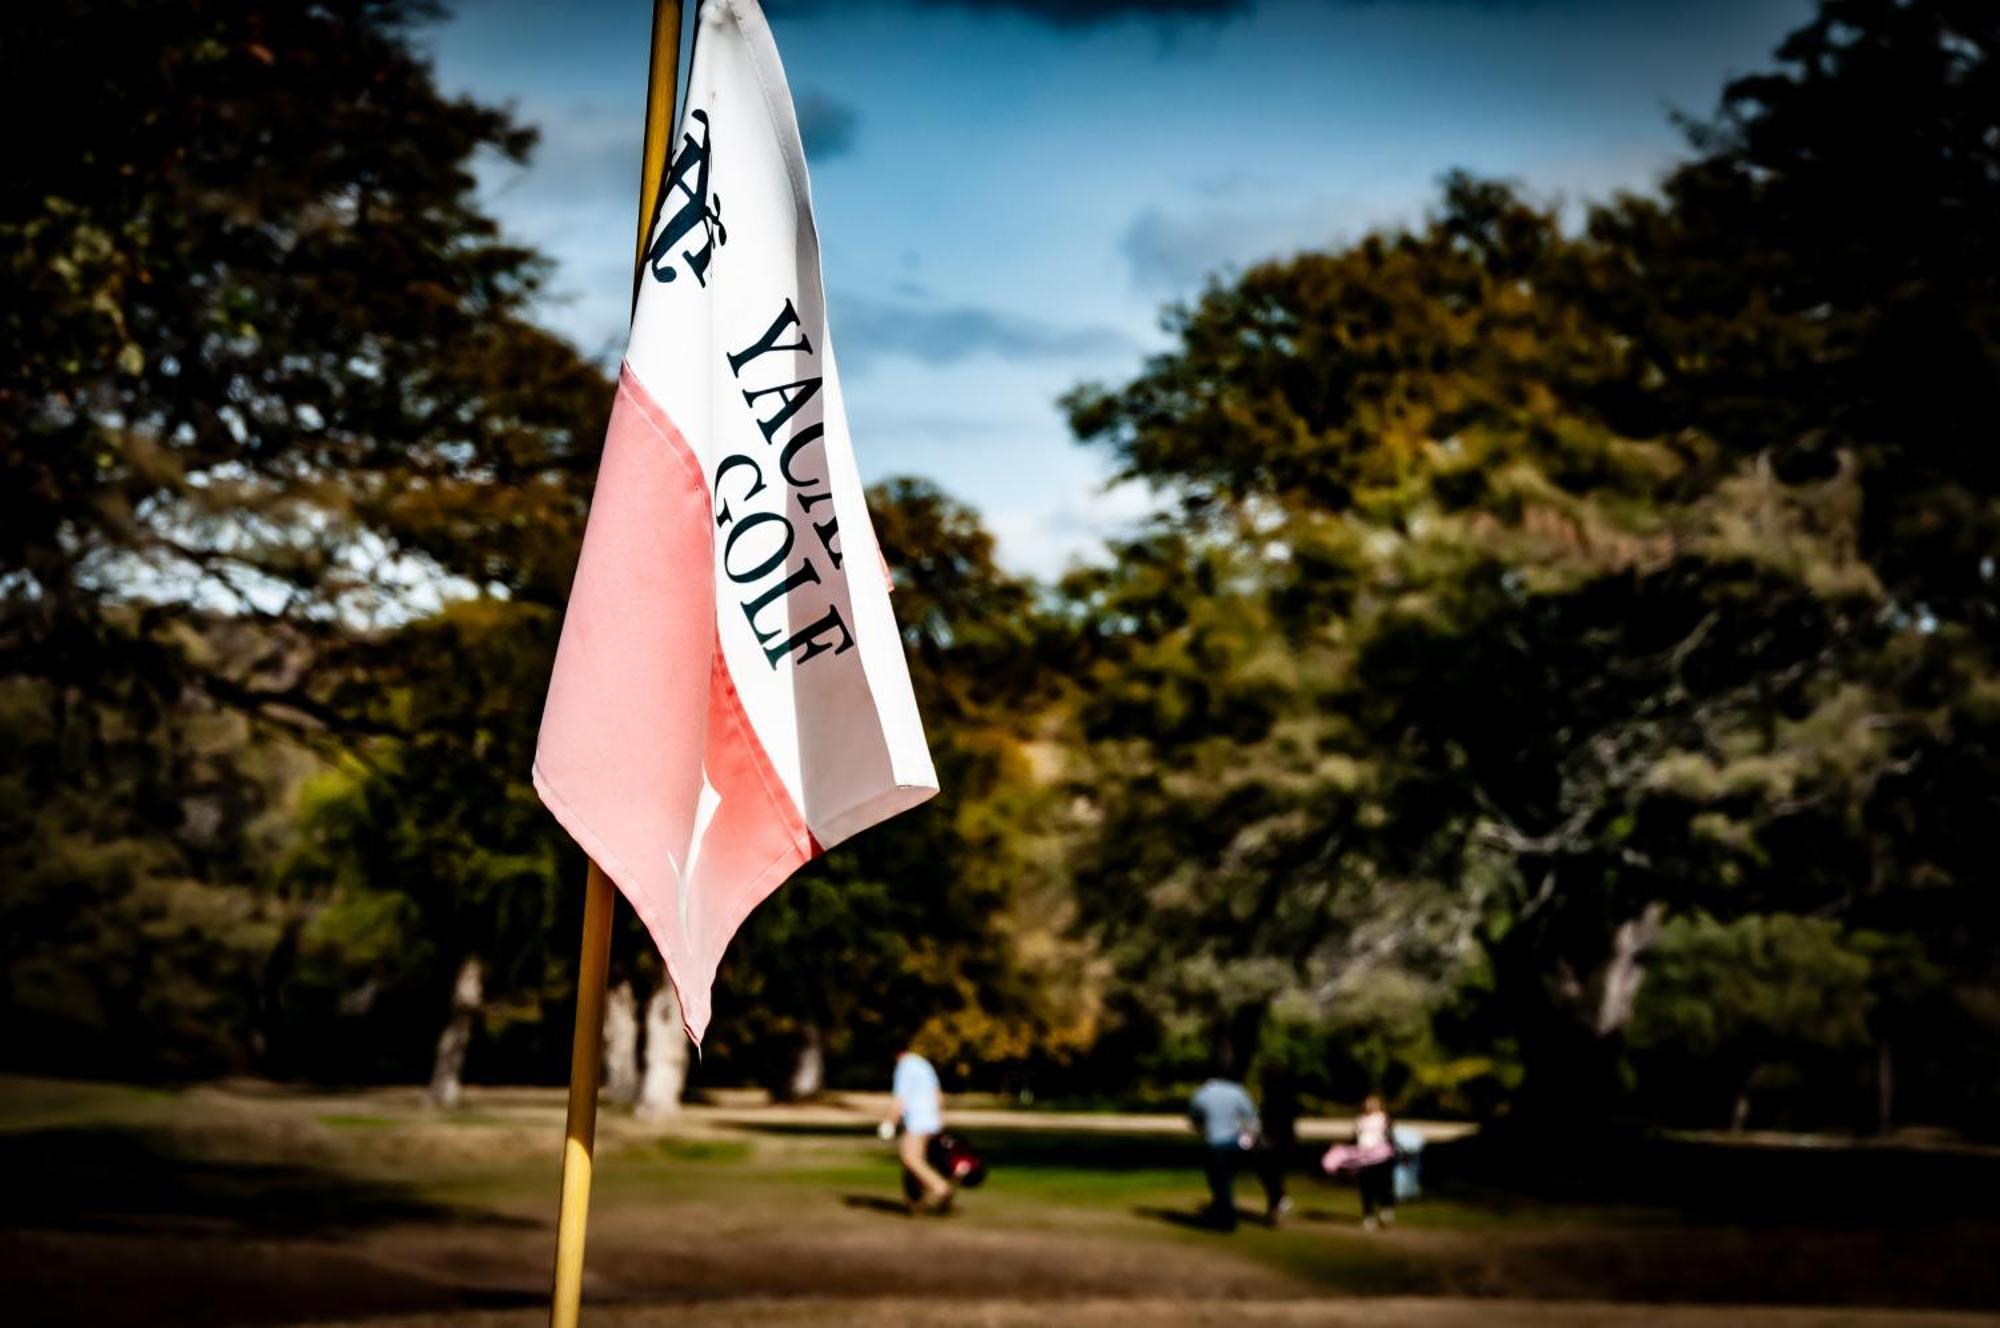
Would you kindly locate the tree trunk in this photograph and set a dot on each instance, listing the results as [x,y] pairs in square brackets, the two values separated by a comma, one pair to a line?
[621,1045]
[1625,970]
[269,1042]
[1575,1003]
[1739,1112]
[808,1075]
[468,992]
[666,1055]
[1885,1088]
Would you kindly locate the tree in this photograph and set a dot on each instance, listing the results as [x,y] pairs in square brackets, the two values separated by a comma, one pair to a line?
[1223,799]
[1742,999]
[1820,286]
[667,1054]
[1591,559]
[269,380]
[132,933]
[1376,467]
[1822,279]
[264,353]
[435,840]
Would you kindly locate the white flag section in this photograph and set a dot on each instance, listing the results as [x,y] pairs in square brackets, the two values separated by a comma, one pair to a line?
[730,697]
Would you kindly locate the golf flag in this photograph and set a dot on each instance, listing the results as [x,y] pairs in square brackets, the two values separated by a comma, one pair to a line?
[730,696]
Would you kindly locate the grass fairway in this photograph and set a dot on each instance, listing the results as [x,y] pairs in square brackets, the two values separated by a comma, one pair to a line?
[247,1204]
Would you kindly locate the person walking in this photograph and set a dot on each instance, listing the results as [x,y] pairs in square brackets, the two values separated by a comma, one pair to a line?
[1278,1140]
[1375,1152]
[1227,1120]
[1372,1159]
[918,1107]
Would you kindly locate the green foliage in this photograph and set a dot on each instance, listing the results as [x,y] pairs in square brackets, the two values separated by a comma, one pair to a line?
[1762,982]
[1558,584]
[1766,1020]
[1772,1005]
[1564,676]
[283,372]
[429,847]
[129,934]
[269,389]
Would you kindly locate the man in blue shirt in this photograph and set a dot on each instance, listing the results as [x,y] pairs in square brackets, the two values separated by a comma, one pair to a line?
[919,1109]
[1227,1119]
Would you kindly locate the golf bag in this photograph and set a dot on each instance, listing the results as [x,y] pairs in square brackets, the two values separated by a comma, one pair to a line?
[954,1159]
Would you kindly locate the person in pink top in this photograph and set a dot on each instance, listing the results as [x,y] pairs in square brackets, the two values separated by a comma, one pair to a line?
[1372,1159]
[1375,1145]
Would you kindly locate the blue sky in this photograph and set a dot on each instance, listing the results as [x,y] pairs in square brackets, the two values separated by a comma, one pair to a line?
[1009,191]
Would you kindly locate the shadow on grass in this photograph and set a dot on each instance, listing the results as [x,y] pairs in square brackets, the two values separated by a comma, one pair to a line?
[1327,1217]
[137,1180]
[1036,1148]
[1180,1217]
[1704,1181]
[876,1203]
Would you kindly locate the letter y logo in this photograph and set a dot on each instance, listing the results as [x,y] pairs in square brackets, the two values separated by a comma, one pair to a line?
[688,178]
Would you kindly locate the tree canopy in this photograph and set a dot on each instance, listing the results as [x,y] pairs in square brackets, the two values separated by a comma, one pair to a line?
[1593,577]
[1561,675]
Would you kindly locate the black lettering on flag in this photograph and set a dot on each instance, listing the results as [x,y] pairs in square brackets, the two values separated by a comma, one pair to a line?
[826,530]
[787,317]
[812,433]
[811,639]
[805,389]
[688,177]
[807,575]
[770,564]
[723,516]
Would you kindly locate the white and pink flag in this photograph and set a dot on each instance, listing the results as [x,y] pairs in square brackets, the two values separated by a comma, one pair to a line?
[730,697]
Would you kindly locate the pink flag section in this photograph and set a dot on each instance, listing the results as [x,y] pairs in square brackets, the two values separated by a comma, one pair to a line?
[730,695]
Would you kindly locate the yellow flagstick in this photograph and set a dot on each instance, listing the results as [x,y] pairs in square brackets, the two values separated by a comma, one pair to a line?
[585,1062]
[587,1045]
[662,79]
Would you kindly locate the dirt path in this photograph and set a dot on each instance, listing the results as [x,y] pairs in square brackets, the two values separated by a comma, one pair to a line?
[248,1206]
[1392,1313]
